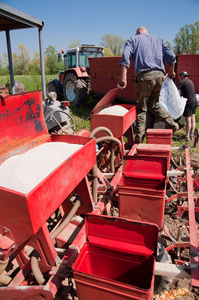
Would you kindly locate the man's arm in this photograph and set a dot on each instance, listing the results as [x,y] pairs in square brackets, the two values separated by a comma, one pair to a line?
[125,63]
[122,83]
[170,58]
[171,73]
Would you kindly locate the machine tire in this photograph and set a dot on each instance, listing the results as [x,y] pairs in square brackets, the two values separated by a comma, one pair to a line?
[55,86]
[75,90]
[162,282]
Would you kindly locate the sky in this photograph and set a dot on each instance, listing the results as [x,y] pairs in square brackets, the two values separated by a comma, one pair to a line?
[88,20]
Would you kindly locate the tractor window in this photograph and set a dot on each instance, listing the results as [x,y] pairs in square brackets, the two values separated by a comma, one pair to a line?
[83,57]
[70,60]
[83,60]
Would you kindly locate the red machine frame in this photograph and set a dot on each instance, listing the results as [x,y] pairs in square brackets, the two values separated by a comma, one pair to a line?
[23,129]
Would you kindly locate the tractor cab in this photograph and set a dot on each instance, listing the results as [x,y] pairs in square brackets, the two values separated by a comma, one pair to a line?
[78,57]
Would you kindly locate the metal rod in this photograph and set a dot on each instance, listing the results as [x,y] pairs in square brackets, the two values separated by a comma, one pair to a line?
[175,173]
[42,63]
[170,270]
[10,61]
[179,235]
[176,148]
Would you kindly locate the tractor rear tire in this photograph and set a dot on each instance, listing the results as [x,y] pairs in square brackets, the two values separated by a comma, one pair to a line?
[75,90]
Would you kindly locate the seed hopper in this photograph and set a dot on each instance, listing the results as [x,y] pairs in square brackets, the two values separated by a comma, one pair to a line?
[58,236]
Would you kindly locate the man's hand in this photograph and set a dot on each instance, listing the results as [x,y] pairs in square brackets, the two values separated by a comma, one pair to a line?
[122,84]
[171,73]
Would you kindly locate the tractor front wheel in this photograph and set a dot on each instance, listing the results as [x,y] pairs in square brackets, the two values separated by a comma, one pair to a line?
[75,90]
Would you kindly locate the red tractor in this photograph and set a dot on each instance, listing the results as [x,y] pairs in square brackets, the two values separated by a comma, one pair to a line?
[74,81]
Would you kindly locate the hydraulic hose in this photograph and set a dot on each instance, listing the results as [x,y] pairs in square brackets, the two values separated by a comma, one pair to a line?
[35,255]
[36,269]
[66,219]
[94,183]
[101,128]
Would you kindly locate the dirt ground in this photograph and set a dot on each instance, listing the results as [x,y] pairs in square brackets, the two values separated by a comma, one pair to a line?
[173,222]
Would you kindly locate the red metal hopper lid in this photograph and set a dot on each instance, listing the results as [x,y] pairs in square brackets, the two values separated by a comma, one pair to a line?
[122,235]
[145,167]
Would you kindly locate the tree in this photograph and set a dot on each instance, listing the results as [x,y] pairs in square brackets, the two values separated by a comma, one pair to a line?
[21,60]
[1,65]
[35,66]
[194,37]
[108,52]
[74,43]
[51,60]
[114,42]
[5,64]
[169,44]
[187,39]
[4,68]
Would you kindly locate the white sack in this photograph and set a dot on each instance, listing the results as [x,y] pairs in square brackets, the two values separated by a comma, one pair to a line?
[170,99]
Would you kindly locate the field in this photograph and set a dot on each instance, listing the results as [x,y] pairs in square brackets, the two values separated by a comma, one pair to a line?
[31,82]
[81,114]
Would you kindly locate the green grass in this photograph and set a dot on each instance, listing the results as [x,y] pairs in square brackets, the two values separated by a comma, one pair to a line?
[31,82]
[81,115]
[179,140]
[197,118]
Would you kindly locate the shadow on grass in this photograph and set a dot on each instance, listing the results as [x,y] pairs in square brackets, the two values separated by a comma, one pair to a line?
[84,110]
[81,114]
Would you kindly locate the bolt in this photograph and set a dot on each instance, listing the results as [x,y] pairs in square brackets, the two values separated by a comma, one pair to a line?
[5,231]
